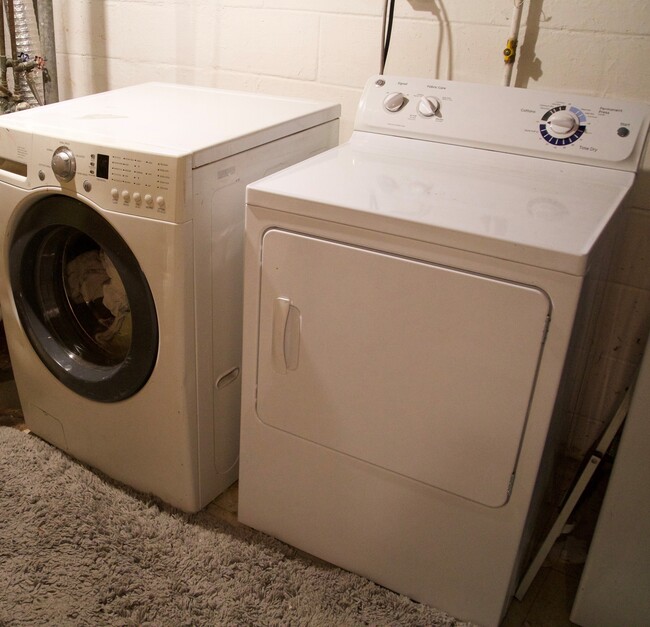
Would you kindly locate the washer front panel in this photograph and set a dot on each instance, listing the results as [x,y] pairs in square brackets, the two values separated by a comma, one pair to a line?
[422,370]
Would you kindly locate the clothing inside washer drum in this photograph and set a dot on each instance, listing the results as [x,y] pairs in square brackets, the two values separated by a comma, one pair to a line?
[93,280]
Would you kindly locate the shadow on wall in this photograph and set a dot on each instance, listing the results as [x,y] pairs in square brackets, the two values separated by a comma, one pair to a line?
[529,66]
[86,71]
[190,49]
[439,13]
[640,194]
[98,50]
[185,52]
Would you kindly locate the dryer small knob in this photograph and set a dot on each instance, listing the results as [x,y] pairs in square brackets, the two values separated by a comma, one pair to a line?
[428,106]
[394,101]
[64,165]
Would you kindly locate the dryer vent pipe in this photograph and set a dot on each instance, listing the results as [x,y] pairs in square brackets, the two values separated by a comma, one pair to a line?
[24,53]
[25,45]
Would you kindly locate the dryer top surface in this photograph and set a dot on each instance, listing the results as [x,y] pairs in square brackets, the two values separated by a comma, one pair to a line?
[174,120]
[519,208]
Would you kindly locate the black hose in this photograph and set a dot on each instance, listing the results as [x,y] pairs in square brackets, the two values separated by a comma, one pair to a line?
[387,34]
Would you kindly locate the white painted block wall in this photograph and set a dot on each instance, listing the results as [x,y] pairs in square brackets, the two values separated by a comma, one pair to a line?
[325,49]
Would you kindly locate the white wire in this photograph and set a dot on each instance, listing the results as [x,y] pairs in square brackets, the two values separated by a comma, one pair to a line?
[513,36]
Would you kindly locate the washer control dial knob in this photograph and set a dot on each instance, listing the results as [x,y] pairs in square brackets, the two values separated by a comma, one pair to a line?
[428,106]
[563,123]
[64,165]
[394,101]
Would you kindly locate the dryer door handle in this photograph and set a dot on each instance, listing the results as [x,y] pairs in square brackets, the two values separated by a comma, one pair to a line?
[285,348]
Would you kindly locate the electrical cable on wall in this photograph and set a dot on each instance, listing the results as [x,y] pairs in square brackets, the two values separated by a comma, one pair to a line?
[386,30]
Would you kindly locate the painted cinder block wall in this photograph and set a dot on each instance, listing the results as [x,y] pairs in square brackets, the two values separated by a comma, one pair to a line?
[325,49]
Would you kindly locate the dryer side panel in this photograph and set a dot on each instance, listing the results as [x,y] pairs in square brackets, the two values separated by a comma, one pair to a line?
[422,370]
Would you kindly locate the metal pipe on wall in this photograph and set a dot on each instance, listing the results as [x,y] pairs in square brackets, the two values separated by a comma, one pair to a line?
[48,46]
[3,54]
[25,52]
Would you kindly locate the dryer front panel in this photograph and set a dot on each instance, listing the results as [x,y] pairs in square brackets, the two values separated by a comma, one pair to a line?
[82,299]
[420,369]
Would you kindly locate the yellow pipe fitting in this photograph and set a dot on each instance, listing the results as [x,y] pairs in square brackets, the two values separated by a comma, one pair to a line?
[510,51]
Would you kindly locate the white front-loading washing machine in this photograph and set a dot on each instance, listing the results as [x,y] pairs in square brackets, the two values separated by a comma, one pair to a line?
[121,272]
[409,302]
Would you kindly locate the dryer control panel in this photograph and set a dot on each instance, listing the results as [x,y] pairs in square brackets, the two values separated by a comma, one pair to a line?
[149,185]
[563,127]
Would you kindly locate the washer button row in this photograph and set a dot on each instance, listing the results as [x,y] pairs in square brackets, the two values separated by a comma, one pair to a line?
[137,198]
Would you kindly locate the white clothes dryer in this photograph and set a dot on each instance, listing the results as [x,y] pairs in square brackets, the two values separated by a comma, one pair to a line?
[121,272]
[409,301]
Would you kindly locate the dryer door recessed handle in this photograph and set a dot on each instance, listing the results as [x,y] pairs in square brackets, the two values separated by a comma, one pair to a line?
[285,347]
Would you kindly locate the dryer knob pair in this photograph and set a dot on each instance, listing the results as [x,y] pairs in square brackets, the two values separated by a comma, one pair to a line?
[427,105]
[64,164]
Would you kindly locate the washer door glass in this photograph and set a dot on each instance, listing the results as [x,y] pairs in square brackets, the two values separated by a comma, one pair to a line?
[83,299]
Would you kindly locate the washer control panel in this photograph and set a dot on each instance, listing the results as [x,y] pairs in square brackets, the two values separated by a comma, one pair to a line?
[143,184]
[149,185]
[579,129]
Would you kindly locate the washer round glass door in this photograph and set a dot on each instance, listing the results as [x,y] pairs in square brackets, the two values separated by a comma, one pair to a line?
[83,299]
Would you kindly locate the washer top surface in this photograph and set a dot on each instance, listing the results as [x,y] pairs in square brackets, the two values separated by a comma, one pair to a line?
[174,120]
[484,172]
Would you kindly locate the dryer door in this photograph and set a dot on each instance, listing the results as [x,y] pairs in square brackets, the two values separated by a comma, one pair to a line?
[82,299]
[420,369]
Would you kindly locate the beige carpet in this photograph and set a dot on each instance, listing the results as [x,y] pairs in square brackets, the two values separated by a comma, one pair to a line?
[76,549]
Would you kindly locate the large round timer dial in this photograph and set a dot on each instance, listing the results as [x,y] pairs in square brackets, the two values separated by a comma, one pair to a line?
[563,125]
[64,165]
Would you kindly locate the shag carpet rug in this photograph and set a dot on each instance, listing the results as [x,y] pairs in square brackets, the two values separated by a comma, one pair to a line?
[78,549]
